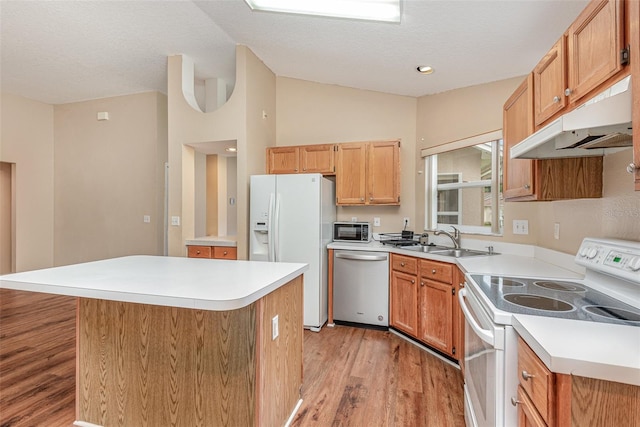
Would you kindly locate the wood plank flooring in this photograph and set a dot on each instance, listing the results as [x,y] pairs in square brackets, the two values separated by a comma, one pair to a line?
[352,377]
[364,377]
[37,359]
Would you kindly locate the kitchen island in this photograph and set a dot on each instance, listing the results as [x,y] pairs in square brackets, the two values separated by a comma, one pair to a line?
[183,342]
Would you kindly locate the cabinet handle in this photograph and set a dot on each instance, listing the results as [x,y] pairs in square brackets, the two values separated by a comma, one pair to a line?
[527,186]
[413,281]
[526,375]
[295,170]
[362,199]
[632,168]
[197,252]
[371,198]
[224,253]
[567,92]
[421,283]
[515,401]
[402,264]
[556,99]
[433,271]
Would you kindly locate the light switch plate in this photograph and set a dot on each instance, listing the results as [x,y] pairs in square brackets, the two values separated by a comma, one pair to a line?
[520,226]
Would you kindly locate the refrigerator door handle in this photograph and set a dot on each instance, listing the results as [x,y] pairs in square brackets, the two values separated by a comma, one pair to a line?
[276,234]
[271,230]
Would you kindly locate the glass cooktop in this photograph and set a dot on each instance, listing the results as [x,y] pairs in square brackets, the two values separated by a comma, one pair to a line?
[555,298]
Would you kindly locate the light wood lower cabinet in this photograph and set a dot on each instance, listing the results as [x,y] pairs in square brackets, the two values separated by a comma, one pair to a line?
[423,302]
[215,252]
[548,399]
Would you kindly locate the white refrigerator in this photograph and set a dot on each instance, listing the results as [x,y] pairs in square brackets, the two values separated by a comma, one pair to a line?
[291,220]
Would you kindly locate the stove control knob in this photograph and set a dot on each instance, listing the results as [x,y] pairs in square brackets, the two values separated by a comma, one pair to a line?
[593,252]
[634,264]
[584,251]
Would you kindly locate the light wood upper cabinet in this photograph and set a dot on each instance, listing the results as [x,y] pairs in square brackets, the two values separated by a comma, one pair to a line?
[549,83]
[368,173]
[518,178]
[301,159]
[594,42]
[283,160]
[634,41]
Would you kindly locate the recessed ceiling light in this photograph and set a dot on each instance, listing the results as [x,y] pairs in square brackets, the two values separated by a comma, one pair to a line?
[231,149]
[424,69]
[372,10]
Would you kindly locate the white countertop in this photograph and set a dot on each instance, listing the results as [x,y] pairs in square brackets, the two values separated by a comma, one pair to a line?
[213,241]
[587,349]
[197,283]
[590,349]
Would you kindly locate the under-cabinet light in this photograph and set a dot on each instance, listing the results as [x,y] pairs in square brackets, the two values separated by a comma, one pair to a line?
[372,10]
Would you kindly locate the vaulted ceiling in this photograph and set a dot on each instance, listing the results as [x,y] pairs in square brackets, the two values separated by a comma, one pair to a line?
[66,51]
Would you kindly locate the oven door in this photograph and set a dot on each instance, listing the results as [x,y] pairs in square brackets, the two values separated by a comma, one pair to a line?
[484,364]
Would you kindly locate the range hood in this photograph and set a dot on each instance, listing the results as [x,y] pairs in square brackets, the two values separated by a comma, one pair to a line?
[600,125]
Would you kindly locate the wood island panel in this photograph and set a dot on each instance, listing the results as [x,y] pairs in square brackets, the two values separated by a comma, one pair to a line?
[149,365]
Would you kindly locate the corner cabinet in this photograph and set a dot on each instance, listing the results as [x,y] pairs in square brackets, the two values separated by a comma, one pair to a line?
[545,179]
[368,173]
[301,159]
[423,303]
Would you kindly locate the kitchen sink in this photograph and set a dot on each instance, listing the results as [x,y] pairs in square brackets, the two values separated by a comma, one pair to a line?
[445,251]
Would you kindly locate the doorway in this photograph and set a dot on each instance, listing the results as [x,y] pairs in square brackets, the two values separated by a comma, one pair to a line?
[7,218]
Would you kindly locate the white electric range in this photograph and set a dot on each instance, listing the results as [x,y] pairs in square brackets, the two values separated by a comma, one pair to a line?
[608,293]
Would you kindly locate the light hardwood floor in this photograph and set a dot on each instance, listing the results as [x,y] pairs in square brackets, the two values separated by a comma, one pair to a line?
[352,376]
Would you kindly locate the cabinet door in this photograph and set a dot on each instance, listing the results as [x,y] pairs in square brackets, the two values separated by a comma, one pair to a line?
[225,252]
[594,44]
[527,414]
[283,160]
[404,302]
[351,174]
[518,174]
[383,173]
[549,83]
[634,39]
[317,159]
[436,315]
[199,251]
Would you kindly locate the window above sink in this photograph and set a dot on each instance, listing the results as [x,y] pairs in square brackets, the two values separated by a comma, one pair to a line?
[463,185]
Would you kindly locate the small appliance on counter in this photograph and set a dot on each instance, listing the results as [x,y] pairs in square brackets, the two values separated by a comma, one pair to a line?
[352,232]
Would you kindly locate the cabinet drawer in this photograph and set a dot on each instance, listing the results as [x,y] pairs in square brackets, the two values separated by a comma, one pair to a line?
[225,252]
[434,270]
[404,263]
[537,381]
[199,251]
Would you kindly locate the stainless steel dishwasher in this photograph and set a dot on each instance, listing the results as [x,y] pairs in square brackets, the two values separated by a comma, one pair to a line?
[361,287]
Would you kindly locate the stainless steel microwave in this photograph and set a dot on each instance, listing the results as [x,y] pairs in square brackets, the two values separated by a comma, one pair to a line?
[351,232]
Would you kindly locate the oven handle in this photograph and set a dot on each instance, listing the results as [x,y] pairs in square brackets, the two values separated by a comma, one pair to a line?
[484,334]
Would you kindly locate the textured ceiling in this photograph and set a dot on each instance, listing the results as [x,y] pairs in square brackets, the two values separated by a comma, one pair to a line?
[66,51]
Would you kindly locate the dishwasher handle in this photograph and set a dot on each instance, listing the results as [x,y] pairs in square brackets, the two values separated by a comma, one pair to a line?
[484,334]
[361,257]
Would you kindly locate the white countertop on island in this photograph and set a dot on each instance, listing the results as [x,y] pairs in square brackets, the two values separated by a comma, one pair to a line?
[197,283]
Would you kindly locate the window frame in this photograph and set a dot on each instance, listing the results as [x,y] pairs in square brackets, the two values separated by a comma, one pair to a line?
[431,176]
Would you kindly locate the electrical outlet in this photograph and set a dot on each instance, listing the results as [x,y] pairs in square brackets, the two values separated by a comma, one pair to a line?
[175,220]
[405,222]
[274,327]
[556,230]
[520,226]
[376,222]
[147,218]
[354,219]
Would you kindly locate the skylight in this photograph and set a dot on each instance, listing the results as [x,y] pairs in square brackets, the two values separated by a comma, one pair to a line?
[372,10]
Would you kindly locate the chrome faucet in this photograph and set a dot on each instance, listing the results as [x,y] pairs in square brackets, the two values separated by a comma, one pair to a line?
[455,237]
